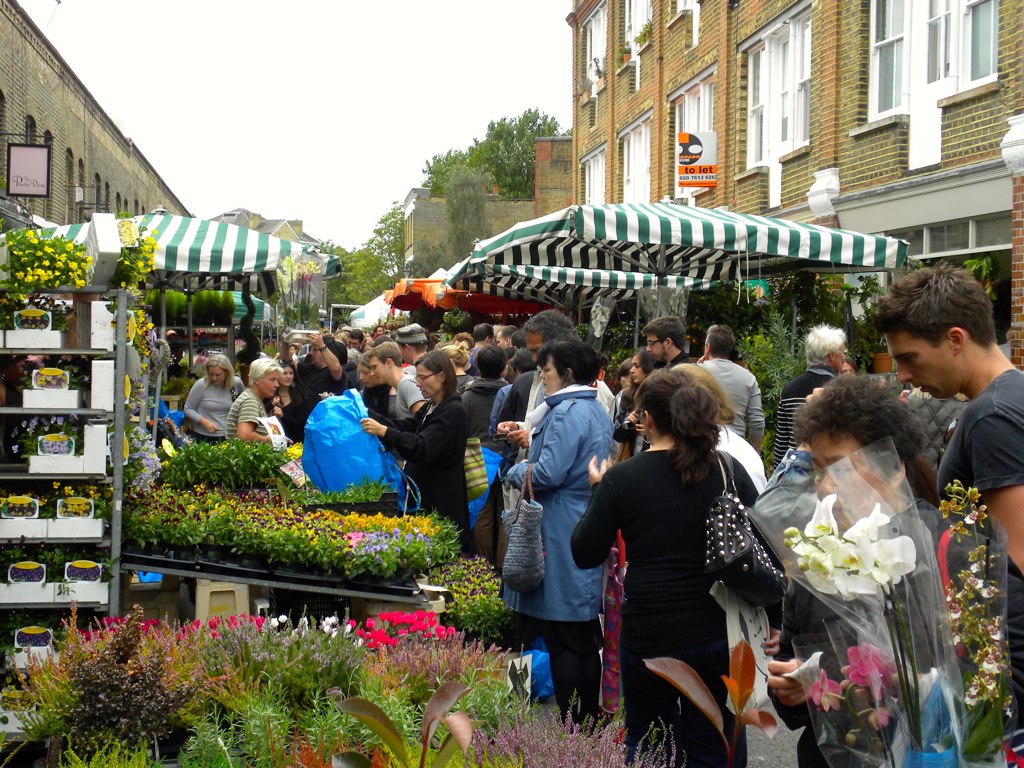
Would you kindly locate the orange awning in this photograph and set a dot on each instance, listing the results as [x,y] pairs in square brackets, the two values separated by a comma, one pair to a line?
[413,293]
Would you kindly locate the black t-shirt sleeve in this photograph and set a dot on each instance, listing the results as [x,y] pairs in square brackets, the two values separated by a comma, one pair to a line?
[595,532]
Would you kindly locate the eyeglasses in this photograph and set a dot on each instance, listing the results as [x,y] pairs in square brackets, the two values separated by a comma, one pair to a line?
[425,376]
[652,342]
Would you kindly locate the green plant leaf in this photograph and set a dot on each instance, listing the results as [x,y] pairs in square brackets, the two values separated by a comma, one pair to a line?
[377,720]
[442,700]
[350,760]
[446,752]
[689,683]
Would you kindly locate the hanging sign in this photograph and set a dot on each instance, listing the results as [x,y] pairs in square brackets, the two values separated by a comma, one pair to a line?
[696,160]
[28,170]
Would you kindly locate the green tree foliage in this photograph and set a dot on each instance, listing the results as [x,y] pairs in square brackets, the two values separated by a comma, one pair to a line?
[466,209]
[505,156]
[439,169]
[508,153]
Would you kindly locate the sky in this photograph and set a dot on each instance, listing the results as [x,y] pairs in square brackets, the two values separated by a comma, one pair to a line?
[320,110]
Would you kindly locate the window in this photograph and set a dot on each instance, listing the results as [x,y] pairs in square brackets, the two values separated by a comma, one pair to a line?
[938,39]
[636,164]
[30,129]
[779,91]
[593,178]
[981,41]
[695,109]
[638,13]
[887,54]
[595,43]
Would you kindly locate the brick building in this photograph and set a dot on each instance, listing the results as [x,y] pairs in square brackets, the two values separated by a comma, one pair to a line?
[42,101]
[881,116]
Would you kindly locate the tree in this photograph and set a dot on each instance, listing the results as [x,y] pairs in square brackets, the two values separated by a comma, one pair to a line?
[508,151]
[439,168]
[506,156]
[466,209]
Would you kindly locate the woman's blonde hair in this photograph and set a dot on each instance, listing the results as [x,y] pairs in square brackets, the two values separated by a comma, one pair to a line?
[260,368]
[457,354]
[222,362]
[706,380]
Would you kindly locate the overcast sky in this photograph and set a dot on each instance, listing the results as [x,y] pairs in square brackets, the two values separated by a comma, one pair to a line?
[319,110]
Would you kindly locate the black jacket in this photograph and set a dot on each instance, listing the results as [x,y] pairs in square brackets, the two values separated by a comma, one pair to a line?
[434,445]
[478,398]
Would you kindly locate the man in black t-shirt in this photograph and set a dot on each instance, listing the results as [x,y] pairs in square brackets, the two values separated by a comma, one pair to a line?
[323,369]
[938,323]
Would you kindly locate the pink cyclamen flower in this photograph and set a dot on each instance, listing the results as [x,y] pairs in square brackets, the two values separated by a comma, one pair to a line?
[826,694]
[869,667]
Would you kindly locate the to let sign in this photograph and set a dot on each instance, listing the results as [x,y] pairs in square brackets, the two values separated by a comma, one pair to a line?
[28,170]
[696,160]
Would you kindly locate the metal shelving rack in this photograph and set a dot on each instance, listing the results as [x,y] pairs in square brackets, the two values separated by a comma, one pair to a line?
[117,416]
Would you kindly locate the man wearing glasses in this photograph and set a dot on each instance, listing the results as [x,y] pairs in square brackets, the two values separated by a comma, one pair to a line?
[665,339]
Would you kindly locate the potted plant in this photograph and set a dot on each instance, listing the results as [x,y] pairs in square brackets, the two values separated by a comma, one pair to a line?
[583,88]
[644,37]
[625,53]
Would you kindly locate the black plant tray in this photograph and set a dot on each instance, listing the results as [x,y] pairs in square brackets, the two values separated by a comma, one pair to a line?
[387,505]
[307,577]
[394,586]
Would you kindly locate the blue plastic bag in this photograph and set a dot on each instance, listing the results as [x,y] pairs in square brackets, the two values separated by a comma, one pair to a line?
[541,684]
[336,453]
[492,461]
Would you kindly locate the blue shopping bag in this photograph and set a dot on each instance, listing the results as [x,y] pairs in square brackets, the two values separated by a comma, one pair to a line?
[336,453]
[492,461]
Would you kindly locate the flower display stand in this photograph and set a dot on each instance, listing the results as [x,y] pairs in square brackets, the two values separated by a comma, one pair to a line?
[52,398]
[27,593]
[55,465]
[27,339]
[74,528]
[82,591]
[30,528]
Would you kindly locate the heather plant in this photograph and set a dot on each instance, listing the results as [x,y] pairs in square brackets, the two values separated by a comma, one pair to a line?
[536,739]
[122,684]
[111,755]
[475,607]
[299,661]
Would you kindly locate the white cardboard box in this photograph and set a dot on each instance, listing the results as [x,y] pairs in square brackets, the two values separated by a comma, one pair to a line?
[75,528]
[34,528]
[29,592]
[56,465]
[52,398]
[101,396]
[34,339]
[94,454]
[101,326]
[82,591]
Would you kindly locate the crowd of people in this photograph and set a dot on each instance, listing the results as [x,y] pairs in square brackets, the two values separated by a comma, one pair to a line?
[642,465]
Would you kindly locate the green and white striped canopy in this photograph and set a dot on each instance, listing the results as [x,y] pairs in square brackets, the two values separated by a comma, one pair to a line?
[199,246]
[584,251]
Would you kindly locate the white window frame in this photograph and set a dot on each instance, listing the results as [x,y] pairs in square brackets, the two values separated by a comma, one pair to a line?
[756,91]
[971,10]
[940,28]
[595,33]
[638,13]
[636,163]
[594,166]
[888,43]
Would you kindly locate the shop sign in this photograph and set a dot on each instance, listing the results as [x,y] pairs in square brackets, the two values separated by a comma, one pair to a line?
[28,170]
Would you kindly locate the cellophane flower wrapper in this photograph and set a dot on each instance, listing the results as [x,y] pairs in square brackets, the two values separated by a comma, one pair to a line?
[854,537]
[974,559]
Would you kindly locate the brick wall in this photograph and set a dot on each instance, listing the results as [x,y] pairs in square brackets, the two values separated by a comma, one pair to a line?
[36,81]
[554,175]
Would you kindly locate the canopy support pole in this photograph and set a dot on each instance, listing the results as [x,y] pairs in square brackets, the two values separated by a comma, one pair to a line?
[636,323]
[188,321]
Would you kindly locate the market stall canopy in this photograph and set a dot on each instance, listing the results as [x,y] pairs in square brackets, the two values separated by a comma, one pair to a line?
[201,247]
[585,251]
[415,293]
[370,314]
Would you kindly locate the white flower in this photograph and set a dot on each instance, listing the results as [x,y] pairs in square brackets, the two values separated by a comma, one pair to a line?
[282,619]
[822,522]
[866,529]
[275,623]
[894,559]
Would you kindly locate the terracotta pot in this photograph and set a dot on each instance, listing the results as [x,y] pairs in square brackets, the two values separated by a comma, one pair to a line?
[881,363]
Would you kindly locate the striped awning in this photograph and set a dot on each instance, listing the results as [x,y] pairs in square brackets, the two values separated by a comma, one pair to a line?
[578,253]
[199,246]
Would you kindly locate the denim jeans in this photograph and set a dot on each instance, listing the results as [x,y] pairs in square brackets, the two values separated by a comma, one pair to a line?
[651,701]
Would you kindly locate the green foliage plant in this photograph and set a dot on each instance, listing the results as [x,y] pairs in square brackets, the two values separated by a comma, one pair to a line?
[209,745]
[436,713]
[228,464]
[111,755]
[476,607]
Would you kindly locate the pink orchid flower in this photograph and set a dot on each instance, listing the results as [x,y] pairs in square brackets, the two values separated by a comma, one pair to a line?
[826,694]
[869,667]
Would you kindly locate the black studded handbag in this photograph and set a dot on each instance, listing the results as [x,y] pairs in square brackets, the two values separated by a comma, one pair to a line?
[735,555]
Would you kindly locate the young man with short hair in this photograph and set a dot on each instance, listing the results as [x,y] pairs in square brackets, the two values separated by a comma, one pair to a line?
[385,364]
[666,337]
[505,333]
[939,327]
[412,339]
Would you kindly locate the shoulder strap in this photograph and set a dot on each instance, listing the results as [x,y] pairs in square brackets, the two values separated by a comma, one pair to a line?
[728,474]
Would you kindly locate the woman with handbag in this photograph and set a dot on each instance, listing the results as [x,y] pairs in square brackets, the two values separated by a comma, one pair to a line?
[571,428]
[433,442]
[659,500]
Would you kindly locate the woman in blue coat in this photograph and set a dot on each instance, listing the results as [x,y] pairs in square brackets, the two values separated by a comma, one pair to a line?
[570,427]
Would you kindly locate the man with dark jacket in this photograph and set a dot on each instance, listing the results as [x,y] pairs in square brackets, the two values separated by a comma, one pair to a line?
[666,340]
